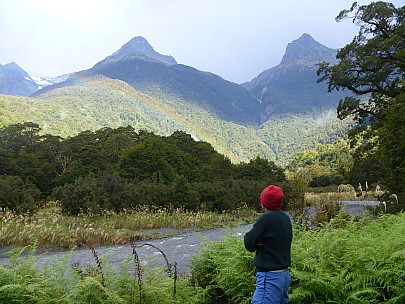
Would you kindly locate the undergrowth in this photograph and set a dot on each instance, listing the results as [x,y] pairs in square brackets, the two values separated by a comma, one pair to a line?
[22,282]
[346,261]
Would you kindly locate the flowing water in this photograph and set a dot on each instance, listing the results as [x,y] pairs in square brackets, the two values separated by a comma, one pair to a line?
[177,249]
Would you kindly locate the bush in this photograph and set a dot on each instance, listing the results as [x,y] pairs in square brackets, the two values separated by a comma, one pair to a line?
[83,196]
[17,294]
[17,195]
[93,195]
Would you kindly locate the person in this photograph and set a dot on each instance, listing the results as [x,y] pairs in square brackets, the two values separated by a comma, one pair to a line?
[271,238]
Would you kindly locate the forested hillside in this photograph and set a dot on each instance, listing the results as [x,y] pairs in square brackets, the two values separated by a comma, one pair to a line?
[115,169]
[99,101]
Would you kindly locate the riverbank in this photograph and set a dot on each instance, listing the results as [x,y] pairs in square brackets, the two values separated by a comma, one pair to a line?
[176,238]
[48,228]
[176,249]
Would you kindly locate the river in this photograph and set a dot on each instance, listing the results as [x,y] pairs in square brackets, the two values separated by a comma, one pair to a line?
[176,249]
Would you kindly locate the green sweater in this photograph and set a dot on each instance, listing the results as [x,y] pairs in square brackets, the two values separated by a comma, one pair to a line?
[273,229]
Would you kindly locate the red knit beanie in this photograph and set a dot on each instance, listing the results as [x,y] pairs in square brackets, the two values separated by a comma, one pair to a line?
[272,198]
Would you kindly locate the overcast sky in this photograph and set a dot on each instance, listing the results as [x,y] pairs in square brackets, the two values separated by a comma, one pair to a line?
[236,39]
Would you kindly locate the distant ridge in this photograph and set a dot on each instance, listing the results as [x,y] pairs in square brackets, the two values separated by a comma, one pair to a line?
[290,87]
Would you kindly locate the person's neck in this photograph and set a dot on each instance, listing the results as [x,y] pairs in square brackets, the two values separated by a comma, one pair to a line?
[267,210]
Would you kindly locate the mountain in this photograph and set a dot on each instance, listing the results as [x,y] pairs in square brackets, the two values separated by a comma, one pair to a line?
[15,81]
[291,86]
[139,87]
[160,76]
[306,51]
[138,48]
[228,100]
[97,102]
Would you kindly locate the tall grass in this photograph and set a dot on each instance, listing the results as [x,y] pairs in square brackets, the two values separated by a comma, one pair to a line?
[49,228]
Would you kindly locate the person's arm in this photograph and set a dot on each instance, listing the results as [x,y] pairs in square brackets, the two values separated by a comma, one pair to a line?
[253,238]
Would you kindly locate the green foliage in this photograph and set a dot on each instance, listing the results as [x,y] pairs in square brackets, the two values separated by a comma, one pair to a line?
[83,196]
[145,161]
[392,147]
[327,165]
[19,135]
[372,63]
[57,282]
[373,69]
[17,195]
[116,169]
[350,261]
[298,186]
[99,102]
[225,270]
[15,293]
[289,135]
[259,169]
[90,290]
[344,262]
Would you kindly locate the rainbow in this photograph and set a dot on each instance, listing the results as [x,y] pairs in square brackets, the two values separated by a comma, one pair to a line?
[96,82]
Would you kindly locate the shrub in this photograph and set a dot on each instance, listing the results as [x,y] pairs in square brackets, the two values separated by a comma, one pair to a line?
[17,294]
[17,195]
[84,195]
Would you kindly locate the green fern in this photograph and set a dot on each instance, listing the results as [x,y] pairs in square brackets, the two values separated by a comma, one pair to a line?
[16,294]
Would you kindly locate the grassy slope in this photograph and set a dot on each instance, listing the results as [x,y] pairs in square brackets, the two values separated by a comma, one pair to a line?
[103,102]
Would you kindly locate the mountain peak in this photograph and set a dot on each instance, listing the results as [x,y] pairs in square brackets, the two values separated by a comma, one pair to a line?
[13,67]
[307,49]
[138,48]
[11,64]
[15,81]
[137,44]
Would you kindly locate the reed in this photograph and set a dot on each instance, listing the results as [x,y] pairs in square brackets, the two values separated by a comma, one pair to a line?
[49,228]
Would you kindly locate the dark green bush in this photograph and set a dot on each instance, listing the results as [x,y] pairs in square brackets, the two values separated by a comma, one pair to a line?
[17,195]
[85,195]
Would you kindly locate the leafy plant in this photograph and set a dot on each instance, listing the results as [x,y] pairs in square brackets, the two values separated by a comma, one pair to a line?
[17,195]
[346,261]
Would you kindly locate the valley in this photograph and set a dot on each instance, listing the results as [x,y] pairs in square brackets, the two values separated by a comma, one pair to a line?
[278,114]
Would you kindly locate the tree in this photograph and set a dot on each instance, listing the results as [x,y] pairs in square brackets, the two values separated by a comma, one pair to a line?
[260,169]
[16,136]
[372,67]
[17,195]
[373,64]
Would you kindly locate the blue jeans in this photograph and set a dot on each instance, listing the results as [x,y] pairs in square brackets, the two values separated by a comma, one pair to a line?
[272,287]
